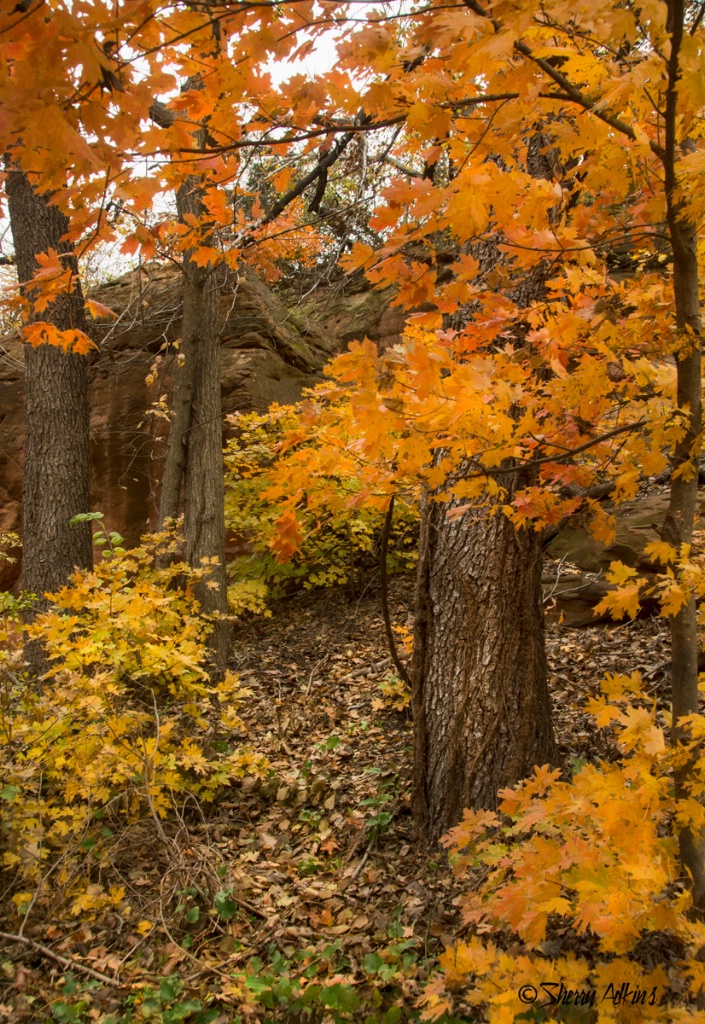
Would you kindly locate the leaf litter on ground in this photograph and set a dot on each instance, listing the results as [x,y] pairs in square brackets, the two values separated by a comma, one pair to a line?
[320,855]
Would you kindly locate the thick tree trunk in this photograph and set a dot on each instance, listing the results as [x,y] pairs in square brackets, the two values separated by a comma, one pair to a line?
[56,465]
[680,519]
[482,713]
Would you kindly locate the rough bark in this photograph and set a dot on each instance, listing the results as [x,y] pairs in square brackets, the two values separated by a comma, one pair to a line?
[194,454]
[482,713]
[56,464]
[683,506]
[182,392]
[204,489]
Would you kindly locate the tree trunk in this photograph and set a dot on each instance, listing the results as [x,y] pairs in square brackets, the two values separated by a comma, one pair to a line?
[56,464]
[680,519]
[181,398]
[194,453]
[482,713]
[204,488]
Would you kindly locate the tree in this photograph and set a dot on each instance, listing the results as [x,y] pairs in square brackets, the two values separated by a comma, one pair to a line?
[584,371]
[46,157]
[56,479]
[89,89]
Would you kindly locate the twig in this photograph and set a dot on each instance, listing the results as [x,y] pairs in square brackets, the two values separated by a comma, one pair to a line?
[63,960]
[363,860]
[567,454]
[557,579]
[249,907]
[383,545]
[10,675]
[315,668]
[369,669]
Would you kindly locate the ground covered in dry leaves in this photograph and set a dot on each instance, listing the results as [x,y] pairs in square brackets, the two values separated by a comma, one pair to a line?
[310,874]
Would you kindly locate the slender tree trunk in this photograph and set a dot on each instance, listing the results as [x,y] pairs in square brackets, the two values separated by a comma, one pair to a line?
[181,398]
[194,454]
[204,488]
[56,464]
[680,519]
[482,713]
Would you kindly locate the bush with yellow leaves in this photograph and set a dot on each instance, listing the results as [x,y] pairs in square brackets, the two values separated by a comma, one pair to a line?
[337,534]
[125,725]
[579,886]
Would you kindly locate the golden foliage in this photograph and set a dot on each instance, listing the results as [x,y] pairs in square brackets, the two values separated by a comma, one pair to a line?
[126,723]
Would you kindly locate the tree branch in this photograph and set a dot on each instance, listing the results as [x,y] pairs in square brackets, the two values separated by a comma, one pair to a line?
[65,961]
[383,546]
[568,454]
[571,91]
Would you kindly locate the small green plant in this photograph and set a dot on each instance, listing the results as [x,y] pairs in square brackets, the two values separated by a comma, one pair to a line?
[330,743]
[310,866]
[379,820]
[394,962]
[102,538]
[305,988]
[166,1005]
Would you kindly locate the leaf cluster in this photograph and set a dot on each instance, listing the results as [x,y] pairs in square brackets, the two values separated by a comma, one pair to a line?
[330,539]
[573,880]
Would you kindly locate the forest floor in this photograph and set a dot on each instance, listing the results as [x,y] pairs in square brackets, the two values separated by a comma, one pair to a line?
[313,870]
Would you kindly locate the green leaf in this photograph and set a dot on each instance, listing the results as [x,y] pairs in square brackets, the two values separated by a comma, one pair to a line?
[85,517]
[225,904]
[193,914]
[372,963]
[181,1011]
[392,1015]
[9,792]
[168,990]
[340,997]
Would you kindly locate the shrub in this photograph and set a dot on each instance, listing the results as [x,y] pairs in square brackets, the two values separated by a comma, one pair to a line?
[124,725]
[337,537]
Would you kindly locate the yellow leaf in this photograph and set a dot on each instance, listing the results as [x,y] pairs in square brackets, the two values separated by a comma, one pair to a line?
[619,572]
[660,551]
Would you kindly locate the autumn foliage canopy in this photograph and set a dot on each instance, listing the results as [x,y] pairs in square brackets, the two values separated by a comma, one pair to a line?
[499,151]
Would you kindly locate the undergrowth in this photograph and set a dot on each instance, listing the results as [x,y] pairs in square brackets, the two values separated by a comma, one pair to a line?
[337,536]
[125,724]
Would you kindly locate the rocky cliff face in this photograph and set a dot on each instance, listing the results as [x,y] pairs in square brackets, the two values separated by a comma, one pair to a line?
[270,353]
